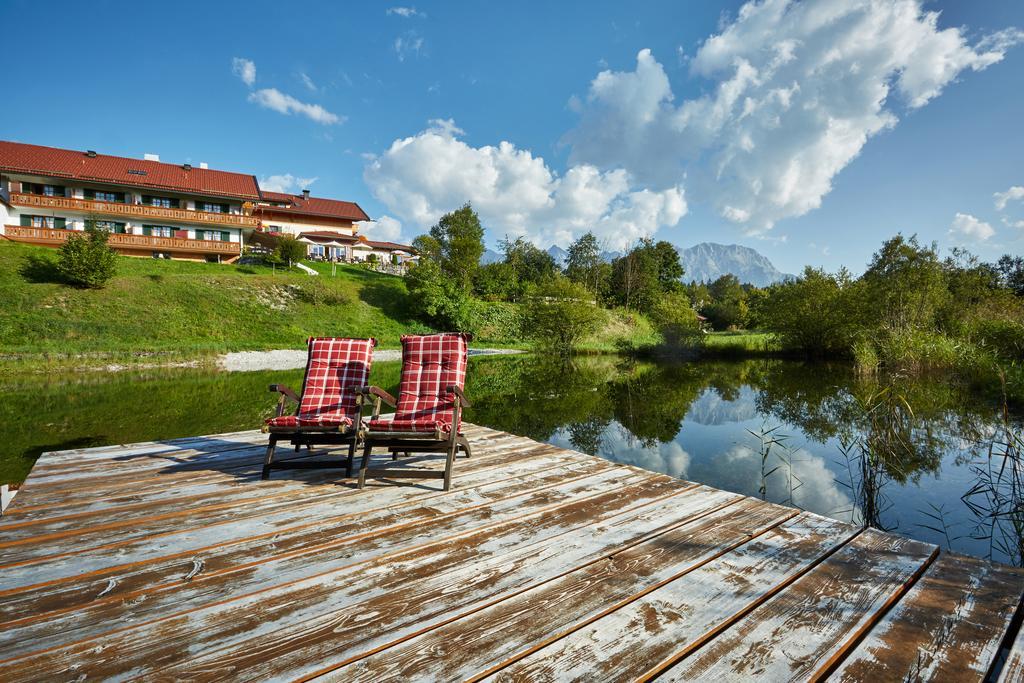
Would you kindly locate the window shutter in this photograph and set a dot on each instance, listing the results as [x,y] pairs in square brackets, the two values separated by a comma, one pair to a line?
[26,221]
[60,223]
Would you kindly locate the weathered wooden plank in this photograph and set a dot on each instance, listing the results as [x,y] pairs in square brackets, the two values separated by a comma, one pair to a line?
[947,628]
[428,591]
[800,632]
[508,630]
[1013,667]
[114,535]
[422,582]
[70,558]
[59,612]
[684,613]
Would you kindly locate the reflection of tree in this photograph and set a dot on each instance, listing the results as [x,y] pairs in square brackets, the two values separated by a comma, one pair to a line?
[586,436]
[652,400]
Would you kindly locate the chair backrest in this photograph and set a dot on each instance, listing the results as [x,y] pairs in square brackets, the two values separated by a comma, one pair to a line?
[333,367]
[430,364]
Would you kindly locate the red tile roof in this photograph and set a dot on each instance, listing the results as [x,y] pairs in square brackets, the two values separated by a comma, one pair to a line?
[16,157]
[314,206]
[315,235]
[394,246]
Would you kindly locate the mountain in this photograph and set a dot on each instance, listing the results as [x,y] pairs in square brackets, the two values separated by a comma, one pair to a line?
[708,261]
[560,255]
[491,256]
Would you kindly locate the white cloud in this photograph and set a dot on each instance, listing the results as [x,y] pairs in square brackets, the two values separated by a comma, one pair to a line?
[408,44]
[796,91]
[385,228]
[286,182]
[244,69]
[307,81]
[405,12]
[1015,193]
[966,227]
[419,178]
[272,98]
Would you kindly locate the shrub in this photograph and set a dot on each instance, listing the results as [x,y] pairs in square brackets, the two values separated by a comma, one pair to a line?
[1003,337]
[437,298]
[677,322]
[496,322]
[86,259]
[289,250]
[817,313]
[561,312]
[319,293]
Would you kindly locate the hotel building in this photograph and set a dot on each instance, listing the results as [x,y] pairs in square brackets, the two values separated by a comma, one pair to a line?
[161,210]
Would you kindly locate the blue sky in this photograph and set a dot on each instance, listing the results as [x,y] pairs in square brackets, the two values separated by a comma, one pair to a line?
[810,131]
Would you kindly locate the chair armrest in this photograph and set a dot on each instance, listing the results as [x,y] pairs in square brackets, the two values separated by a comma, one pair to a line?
[453,389]
[282,389]
[379,393]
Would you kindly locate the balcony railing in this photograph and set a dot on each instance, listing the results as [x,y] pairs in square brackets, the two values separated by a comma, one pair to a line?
[133,210]
[124,241]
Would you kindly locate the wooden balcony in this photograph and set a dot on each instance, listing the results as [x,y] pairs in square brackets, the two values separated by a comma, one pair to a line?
[153,213]
[136,243]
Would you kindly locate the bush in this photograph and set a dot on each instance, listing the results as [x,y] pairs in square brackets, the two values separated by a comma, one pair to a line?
[817,313]
[1003,337]
[561,312]
[438,299]
[496,322]
[678,324]
[289,250]
[86,260]
[319,293]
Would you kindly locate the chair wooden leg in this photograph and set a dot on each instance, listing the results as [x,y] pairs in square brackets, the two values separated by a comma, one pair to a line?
[453,446]
[271,445]
[364,464]
[464,444]
[351,459]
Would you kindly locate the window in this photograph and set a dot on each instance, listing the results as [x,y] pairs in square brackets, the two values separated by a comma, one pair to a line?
[42,222]
[45,190]
[105,196]
[111,226]
[158,231]
[162,254]
[274,228]
[316,250]
[162,202]
[213,236]
[210,207]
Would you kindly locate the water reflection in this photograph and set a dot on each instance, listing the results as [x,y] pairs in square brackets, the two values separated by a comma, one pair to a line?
[921,457]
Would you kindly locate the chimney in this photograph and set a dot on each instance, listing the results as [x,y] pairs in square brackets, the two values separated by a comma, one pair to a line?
[203,164]
[187,167]
[305,194]
[91,154]
[151,157]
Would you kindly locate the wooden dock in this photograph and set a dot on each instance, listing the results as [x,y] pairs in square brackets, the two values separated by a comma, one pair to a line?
[172,560]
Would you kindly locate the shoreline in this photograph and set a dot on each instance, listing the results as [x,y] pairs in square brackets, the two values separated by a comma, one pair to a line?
[295,359]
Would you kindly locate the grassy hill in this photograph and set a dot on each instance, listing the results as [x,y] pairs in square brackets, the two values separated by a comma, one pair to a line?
[178,309]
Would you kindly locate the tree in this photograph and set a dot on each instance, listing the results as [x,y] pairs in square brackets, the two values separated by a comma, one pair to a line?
[561,312]
[289,250]
[906,284]
[1011,273]
[524,265]
[670,270]
[584,264]
[437,297]
[677,322]
[494,282]
[428,248]
[86,259]
[460,244]
[728,307]
[816,313]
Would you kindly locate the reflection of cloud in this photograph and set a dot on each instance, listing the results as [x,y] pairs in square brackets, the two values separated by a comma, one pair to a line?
[814,487]
[711,409]
[618,445]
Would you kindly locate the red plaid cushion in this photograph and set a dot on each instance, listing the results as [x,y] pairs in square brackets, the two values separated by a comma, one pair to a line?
[334,366]
[430,364]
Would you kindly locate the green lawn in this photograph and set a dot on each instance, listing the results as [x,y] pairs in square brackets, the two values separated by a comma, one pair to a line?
[179,309]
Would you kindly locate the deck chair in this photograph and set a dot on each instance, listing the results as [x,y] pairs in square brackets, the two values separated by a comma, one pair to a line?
[428,412]
[330,408]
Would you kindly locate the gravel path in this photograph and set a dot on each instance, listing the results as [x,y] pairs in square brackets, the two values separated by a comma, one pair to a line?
[290,359]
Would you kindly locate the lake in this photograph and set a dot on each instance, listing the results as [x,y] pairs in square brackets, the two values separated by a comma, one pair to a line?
[921,457]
